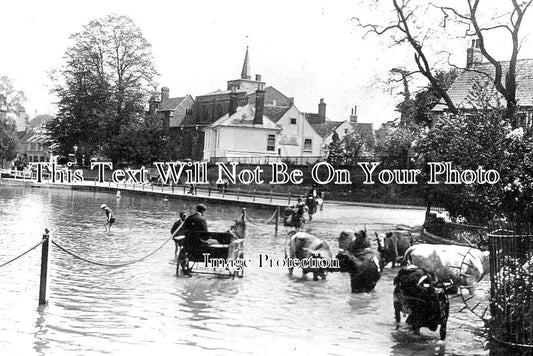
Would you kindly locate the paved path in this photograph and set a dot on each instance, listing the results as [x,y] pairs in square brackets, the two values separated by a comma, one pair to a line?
[251,197]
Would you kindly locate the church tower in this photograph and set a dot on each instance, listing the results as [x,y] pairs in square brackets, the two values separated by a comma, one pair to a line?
[245,74]
[245,83]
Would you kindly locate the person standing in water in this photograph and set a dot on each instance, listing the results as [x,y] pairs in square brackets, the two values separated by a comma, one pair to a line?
[110,217]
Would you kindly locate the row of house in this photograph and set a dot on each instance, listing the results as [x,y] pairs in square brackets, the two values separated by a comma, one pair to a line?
[250,119]
[32,144]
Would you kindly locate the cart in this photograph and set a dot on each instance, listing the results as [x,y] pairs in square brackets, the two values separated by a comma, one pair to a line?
[217,253]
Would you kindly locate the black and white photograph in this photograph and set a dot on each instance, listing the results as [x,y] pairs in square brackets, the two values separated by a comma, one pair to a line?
[349,177]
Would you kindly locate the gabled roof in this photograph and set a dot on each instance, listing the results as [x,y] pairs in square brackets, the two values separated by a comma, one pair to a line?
[171,103]
[327,128]
[474,87]
[244,117]
[275,113]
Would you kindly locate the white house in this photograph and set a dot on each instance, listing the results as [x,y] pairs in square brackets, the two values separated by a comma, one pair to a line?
[243,132]
[298,138]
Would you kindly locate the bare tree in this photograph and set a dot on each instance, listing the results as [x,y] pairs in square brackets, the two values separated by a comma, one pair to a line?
[401,30]
[511,22]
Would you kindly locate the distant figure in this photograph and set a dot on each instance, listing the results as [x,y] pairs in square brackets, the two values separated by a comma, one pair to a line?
[320,200]
[110,217]
[192,189]
[118,194]
[300,209]
[174,230]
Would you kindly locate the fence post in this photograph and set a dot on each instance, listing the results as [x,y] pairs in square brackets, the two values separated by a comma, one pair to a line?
[254,195]
[152,186]
[271,196]
[45,268]
[183,189]
[223,192]
[208,190]
[277,219]
[238,192]
[172,185]
[289,198]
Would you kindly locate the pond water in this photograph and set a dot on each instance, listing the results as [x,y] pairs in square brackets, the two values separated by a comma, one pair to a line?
[144,307]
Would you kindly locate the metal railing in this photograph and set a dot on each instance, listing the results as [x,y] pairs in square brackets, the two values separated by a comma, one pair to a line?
[511,276]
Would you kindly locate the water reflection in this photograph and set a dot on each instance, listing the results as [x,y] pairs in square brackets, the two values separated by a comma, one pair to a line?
[41,330]
[145,308]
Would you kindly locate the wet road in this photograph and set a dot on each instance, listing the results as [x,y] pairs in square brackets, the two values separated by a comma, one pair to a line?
[144,307]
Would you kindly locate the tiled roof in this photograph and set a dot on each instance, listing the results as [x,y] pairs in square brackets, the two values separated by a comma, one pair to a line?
[314,119]
[365,129]
[244,117]
[275,113]
[171,103]
[327,128]
[289,140]
[474,87]
[226,92]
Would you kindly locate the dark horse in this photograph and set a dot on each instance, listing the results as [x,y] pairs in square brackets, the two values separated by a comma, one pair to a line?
[357,257]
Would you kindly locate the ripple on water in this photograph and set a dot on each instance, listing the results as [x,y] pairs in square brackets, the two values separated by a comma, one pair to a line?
[145,308]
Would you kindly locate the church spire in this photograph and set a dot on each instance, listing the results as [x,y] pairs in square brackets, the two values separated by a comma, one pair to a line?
[245,74]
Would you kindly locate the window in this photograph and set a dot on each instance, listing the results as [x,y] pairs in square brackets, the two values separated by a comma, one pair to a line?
[308,145]
[271,143]
[188,111]
[345,131]
[293,121]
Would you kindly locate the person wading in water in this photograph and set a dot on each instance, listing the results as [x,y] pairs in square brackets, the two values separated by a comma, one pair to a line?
[110,217]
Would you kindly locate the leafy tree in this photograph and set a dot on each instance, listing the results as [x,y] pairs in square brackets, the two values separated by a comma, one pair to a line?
[393,142]
[104,85]
[12,100]
[15,99]
[485,139]
[8,134]
[353,144]
[39,120]
[335,149]
[143,142]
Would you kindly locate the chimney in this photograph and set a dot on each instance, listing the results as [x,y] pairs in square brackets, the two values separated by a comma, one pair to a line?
[353,116]
[259,105]
[232,101]
[164,94]
[473,54]
[322,111]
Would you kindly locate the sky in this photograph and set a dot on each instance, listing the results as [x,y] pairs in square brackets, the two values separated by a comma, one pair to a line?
[306,49]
